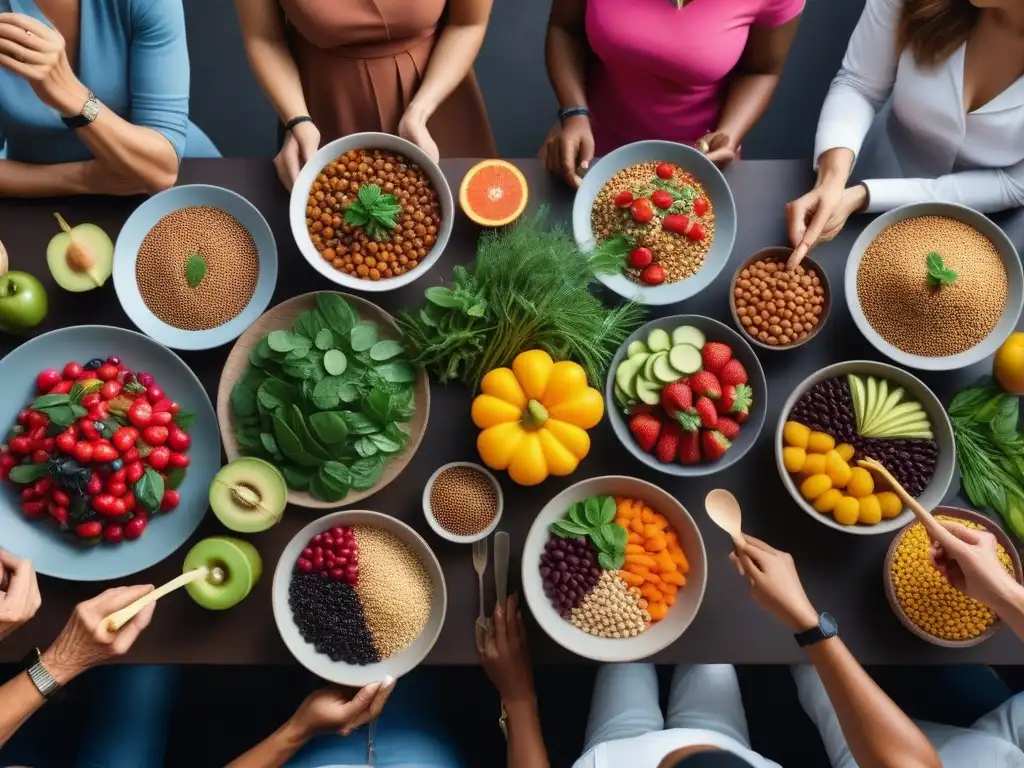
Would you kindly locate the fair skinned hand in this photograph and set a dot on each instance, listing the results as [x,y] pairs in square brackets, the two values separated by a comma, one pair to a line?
[506,657]
[967,559]
[337,710]
[86,642]
[35,52]
[413,127]
[19,592]
[300,144]
[809,226]
[568,147]
[720,148]
[774,583]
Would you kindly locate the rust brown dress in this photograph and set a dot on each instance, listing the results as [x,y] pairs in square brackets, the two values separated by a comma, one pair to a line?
[361,62]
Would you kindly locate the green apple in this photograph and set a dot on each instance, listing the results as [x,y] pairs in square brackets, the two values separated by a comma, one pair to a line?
[23,302]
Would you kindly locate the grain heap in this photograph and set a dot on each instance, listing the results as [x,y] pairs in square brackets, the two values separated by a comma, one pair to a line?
[463,501]
[612,609]
[921,318]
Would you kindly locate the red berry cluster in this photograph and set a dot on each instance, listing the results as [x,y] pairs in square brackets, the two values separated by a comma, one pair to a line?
[699,416]
[332,554]
[89,471]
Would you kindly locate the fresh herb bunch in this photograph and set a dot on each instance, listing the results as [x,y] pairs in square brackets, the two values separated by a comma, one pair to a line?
[938,274]
[374,211]
[594,518]
[528,288]
[990,451]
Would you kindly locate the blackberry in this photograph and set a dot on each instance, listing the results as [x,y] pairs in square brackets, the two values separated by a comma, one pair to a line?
[328,614]
[911,461]
[828,407]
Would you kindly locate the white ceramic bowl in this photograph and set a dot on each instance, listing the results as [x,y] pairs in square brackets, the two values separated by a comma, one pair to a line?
[689,159]
[327,153]
[1014,277]
[443,532]
[144,218]
[658,636]
[353,674]
[916,389]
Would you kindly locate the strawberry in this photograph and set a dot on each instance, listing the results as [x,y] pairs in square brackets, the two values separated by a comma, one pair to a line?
[696,231]
[664,171]
[662,199]
[676,223]
[676,397]
[741,416]
[700,206]
[713,445]
[640,257]
[668,443]
[654,274]
[729,428]
[706,411]
[689,448]
[735,398]
[705,383]
[733,373]
[646,430]
[715,355]
[624,198]
[641,210]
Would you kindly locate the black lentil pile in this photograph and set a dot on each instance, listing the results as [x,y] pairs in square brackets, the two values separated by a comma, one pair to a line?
[828,407]
[568,569]
[329,615]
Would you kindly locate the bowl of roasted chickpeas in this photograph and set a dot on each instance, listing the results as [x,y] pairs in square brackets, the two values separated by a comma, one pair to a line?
[928,605]
[371,212]
[775,308]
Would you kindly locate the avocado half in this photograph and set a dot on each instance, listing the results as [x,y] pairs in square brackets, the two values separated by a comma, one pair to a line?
[248,495]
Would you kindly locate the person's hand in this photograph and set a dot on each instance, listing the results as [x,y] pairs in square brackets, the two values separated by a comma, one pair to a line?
[506,657]
[817,218]
[300,144]
[334,709]
[718,147]
[774,583]
[568,147]
[968,560]
[86,641]
[413,127]
[35,52]
[19,592]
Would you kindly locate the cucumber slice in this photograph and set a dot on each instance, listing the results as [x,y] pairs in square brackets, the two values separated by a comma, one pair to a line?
[636,348]
[649,365]
[626,373]
[688,334]
[685,358]
[659,340]
[664,372]
[622,398]
[648,391]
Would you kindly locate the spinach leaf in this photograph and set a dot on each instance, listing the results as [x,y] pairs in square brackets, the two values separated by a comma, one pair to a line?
[298,425]
[385,444]
[335,362]
[290,444]
[27,473]
[296,478]
[249,438]
[366,472]
[324,340]
[243,400]
[273,394]
[363,336]
[378,405]
[149,490]
[309,323]
[336,311]
[281,341]
[385,350]
[359,423]
[366,447]
[326,393]
[397,373]
[329,426]
[336,476]
[270,444]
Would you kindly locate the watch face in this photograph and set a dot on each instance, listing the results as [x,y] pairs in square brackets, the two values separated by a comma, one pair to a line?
[828,625]
[91,109]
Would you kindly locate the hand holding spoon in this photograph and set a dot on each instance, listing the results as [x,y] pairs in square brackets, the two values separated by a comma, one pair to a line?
[118,619]
[724,511]
[934,528]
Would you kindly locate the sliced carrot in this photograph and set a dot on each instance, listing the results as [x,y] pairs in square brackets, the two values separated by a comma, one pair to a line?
[651,531]
[658,610]
[682,562]
[625,509]
[637,525]
[641,560]
[674,578]
[664,562]
[651,592]
[667,589]
[652,578]
[647,515]
[633,579]
[672,537]
[654,544]
[635,549]
[634,538]
[660,520]
[670,599]
[639,570]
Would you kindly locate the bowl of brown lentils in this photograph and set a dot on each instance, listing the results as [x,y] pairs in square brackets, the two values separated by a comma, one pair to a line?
[462,502]
[371,212]
[776,308]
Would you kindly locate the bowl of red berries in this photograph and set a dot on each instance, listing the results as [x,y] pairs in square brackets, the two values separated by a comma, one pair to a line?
[108,445]
[690,395]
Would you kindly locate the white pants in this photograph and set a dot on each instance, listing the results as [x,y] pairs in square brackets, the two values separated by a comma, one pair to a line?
[992,742]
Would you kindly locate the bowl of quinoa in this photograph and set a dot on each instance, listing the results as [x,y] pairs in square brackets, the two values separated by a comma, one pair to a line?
[680,214]
[934,286]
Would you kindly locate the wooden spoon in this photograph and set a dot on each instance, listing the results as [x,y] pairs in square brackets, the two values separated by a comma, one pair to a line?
[934,528]
[724,511]
[118,619]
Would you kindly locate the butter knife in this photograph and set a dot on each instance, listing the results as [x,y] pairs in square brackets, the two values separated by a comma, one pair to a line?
[502,546]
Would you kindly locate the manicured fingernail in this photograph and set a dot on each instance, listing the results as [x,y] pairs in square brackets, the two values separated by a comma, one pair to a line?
[388,681]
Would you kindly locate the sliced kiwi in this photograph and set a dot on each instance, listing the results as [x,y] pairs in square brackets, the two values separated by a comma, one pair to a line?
[248,495]
[234,568]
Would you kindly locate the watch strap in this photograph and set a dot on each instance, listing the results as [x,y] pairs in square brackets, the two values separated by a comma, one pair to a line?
[826,628]
[575,111]
[41,677]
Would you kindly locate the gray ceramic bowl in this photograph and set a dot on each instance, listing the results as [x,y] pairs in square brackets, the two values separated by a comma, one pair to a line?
[916,389]
[714,331]
[1014,300]
[327,153]
[59,555]
[353,674]
[689,159]
[134,232]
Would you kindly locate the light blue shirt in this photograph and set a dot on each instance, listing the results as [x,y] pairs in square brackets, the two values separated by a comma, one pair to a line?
[134,57]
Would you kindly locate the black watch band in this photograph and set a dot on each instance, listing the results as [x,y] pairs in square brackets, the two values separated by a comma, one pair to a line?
[296,120]
[41,678]
[827,627]
[577,111]
[89,112]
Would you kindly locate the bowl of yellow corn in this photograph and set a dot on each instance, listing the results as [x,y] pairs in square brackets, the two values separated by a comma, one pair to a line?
[927,604]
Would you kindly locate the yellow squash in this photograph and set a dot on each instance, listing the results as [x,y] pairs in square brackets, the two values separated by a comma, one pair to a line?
[535,416]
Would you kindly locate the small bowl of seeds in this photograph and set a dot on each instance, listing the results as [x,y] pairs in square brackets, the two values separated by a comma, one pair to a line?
[462,502]
[776,308]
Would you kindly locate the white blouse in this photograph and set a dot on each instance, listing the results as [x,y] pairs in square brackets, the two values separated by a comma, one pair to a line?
[931,149]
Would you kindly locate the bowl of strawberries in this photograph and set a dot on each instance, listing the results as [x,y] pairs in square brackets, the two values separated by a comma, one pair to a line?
[690,395]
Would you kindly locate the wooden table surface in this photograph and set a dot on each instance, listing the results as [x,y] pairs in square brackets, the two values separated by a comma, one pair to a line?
[842,573]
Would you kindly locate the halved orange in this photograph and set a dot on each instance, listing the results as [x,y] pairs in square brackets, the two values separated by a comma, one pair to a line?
[493,193]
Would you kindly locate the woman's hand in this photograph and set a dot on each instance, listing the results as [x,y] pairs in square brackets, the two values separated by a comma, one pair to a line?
[19,592]
[968,560]
[568,147]
[35,51]
[506,657]
[300,144]
[334,710]
[718,147]
[820,215]
[86,641]
[413,127]
[774,583]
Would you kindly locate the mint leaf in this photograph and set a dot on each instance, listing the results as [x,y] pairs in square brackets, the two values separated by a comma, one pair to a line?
[938,273]
[195,270]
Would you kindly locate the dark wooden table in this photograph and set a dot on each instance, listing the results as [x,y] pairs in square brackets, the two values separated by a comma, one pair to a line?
[842,573]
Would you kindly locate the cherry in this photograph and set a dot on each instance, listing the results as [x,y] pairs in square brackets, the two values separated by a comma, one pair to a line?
[135,527]
[48,379]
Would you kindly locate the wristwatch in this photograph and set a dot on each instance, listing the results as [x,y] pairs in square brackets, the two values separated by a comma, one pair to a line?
[40,676]
[90,111]
[574,111]
[827,627]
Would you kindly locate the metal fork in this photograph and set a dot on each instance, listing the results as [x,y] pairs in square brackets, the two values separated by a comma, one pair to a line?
[480,566]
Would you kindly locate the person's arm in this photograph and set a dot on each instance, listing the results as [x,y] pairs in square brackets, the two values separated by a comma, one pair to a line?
[878,733]
[87,177]
[989,190]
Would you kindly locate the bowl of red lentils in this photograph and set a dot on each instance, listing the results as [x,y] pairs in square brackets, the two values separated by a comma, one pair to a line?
[776,308]
[371,212]
[462,502]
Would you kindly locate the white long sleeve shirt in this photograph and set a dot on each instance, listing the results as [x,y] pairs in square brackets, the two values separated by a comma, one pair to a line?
[931,149]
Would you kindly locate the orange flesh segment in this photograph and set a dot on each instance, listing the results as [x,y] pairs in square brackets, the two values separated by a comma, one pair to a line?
[494,193]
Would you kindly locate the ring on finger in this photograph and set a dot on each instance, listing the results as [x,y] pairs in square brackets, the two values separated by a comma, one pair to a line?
[703,146]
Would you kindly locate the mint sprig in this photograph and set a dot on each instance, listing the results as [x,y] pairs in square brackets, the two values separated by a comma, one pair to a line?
[377,213]
[938,274]
[594,518]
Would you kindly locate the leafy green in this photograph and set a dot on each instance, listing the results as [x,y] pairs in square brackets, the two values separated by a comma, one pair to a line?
[27,473]
[195,270]
[376,212]
[594,518]
[938,274]
[149,490]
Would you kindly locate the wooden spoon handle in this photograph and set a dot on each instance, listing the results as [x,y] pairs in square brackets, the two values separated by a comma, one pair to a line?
[118,619]
[923,515]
